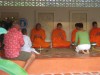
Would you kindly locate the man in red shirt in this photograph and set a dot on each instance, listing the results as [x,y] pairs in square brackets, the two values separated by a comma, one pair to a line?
[13,41]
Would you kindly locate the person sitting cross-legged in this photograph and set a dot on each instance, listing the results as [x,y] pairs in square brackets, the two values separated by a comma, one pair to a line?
[59,37]
[38,37]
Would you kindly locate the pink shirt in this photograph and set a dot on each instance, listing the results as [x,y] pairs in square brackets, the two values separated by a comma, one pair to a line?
[13,41]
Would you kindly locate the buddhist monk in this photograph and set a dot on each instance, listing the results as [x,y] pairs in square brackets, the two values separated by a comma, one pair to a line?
[73,35]
[59,37]
[38,37]
[98,38]
[95,34]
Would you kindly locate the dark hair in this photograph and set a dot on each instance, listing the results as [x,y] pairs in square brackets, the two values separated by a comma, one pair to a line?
[24,30]
[37,24]
[80,25]
[76,24]
[93,23]
[59,24]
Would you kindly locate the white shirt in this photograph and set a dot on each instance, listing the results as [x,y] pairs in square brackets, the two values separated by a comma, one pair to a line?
[27,45]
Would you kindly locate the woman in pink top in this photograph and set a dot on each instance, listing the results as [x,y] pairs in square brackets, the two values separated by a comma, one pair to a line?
[13,41]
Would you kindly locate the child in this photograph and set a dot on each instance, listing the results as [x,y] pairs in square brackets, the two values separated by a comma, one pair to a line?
[27,43]
[83,37]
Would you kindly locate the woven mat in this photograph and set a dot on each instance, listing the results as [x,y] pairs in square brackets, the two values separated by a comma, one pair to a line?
[65,53]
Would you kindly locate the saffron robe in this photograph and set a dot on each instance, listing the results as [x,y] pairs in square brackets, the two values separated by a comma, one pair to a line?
[95,36]
[38,38]
[73,35]
[59,39]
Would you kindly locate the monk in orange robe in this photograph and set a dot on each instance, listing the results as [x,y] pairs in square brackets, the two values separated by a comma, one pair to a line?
[95,34]
[59,37]
[98,37]
[38,37]
[73,35]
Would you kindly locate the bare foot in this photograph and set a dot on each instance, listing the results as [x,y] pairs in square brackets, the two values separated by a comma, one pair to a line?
[85,51]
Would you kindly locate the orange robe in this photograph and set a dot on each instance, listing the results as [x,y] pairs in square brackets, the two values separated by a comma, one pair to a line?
[95,36]
[38,38]
[73,35]
[59,39]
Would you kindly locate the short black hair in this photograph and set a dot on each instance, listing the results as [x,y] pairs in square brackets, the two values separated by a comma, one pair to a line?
[80,25]
[76,25]
[93,23]
[59,24]
[37,24]
[24,30]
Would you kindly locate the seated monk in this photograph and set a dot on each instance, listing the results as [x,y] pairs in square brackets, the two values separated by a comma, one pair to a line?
[95,34]
[98,37]
[59,37]
[38,37]
[73,35]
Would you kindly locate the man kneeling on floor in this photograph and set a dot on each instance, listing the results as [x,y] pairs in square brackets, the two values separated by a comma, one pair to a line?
[13,42]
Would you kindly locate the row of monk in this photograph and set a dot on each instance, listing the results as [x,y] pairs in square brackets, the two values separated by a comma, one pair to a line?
[59,36]
[17,46]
